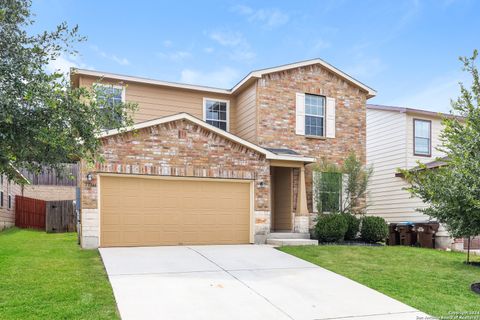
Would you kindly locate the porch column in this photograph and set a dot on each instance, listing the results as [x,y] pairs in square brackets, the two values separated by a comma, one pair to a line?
[302,209]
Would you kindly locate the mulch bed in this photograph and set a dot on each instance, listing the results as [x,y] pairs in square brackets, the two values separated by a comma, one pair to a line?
[351,243]
[475,287]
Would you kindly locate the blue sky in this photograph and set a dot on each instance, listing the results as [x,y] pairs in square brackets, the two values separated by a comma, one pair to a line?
[407,50]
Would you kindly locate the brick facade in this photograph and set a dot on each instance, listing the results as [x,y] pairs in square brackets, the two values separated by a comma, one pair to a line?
[183,149]
[276,116]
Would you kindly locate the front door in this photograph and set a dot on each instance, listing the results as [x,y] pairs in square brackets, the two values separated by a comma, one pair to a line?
[282,198]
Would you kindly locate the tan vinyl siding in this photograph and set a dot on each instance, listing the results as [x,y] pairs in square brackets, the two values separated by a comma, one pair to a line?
[386,151]
[157,101]
[246,113]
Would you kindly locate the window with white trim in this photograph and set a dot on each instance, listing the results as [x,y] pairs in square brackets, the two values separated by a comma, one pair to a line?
[314,115]
[216,113]
[422,144]
[327,191]
[109,96]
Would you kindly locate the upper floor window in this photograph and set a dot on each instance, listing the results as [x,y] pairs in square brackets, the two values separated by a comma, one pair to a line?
[422,140]
[215,112]
[111,94]
[314,115]
[108,96]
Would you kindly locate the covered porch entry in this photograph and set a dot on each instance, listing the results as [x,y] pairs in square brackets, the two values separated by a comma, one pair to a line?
[288,195]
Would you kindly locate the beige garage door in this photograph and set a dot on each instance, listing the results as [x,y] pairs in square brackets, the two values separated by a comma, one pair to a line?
[150,211]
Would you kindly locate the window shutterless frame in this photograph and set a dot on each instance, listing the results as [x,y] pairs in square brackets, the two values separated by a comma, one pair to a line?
[227,102]
[1,190]
[415,153]
[311,115]
[115,86]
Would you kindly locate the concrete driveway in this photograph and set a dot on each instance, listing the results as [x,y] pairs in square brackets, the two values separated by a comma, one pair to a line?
[237,282]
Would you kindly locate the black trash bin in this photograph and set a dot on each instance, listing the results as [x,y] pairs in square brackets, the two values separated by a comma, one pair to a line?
[426,234]
[393,235]
[408,236]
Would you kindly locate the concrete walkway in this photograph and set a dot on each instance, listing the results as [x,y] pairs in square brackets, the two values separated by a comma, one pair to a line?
[237,282]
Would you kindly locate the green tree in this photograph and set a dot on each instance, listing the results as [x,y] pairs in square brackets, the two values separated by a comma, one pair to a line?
[452,192]
[44,121]
[357,178]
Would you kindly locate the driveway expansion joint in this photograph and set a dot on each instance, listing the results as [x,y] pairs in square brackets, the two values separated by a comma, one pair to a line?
[246,285]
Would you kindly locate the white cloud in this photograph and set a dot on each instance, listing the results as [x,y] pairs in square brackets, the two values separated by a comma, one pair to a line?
[222,78]
[167,43]
[120,60]
[436,94]
[366,67]
[174,56]
[319,45]
[63,63]
[228,38]
[239,47]
[208,49]
[269,18]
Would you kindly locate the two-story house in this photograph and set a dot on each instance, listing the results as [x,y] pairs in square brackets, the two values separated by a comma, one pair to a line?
[206,165]
[400,137]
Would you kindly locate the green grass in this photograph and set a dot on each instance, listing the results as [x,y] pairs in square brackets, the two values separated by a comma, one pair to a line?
[435,282]
[47,276]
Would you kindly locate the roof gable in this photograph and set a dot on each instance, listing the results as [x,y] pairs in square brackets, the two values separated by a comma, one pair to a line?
[238,87]
[185,116]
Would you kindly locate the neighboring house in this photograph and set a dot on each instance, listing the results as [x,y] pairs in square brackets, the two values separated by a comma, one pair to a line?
[214,166]
[49,186]
[8,190]
[397,138]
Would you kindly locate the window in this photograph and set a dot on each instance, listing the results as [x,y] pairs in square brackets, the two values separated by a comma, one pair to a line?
[327,191]
[9,191]
[1,191]
[216,113]
[109,96]
[422,144]
[109,93]
[314,115]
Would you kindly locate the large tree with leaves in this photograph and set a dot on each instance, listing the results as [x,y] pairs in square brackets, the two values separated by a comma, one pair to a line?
[44,121]
[452,191]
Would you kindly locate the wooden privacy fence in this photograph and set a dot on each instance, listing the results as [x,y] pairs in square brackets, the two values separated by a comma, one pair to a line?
[30,213]
[51,216]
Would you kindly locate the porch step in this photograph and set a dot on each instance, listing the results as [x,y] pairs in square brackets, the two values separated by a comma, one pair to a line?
[292,242]
[288,235]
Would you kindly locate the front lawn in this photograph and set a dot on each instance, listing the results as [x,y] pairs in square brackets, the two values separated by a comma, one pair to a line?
[47,276]
[435,282]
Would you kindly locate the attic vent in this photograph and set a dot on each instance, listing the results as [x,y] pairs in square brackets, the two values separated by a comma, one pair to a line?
[182,134]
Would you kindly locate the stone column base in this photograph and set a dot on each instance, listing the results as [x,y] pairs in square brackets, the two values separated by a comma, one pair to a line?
[302,224]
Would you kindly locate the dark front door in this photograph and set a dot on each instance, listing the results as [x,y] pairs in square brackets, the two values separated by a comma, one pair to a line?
[282,199]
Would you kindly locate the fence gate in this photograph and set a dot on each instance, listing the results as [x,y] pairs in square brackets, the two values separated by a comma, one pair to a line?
[60,216]
[30,213]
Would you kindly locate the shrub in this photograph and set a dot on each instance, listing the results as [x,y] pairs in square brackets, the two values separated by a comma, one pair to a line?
[353,225]
[374,229]
[331,227]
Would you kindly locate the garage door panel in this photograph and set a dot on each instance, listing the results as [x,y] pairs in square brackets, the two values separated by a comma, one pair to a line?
[141,211]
